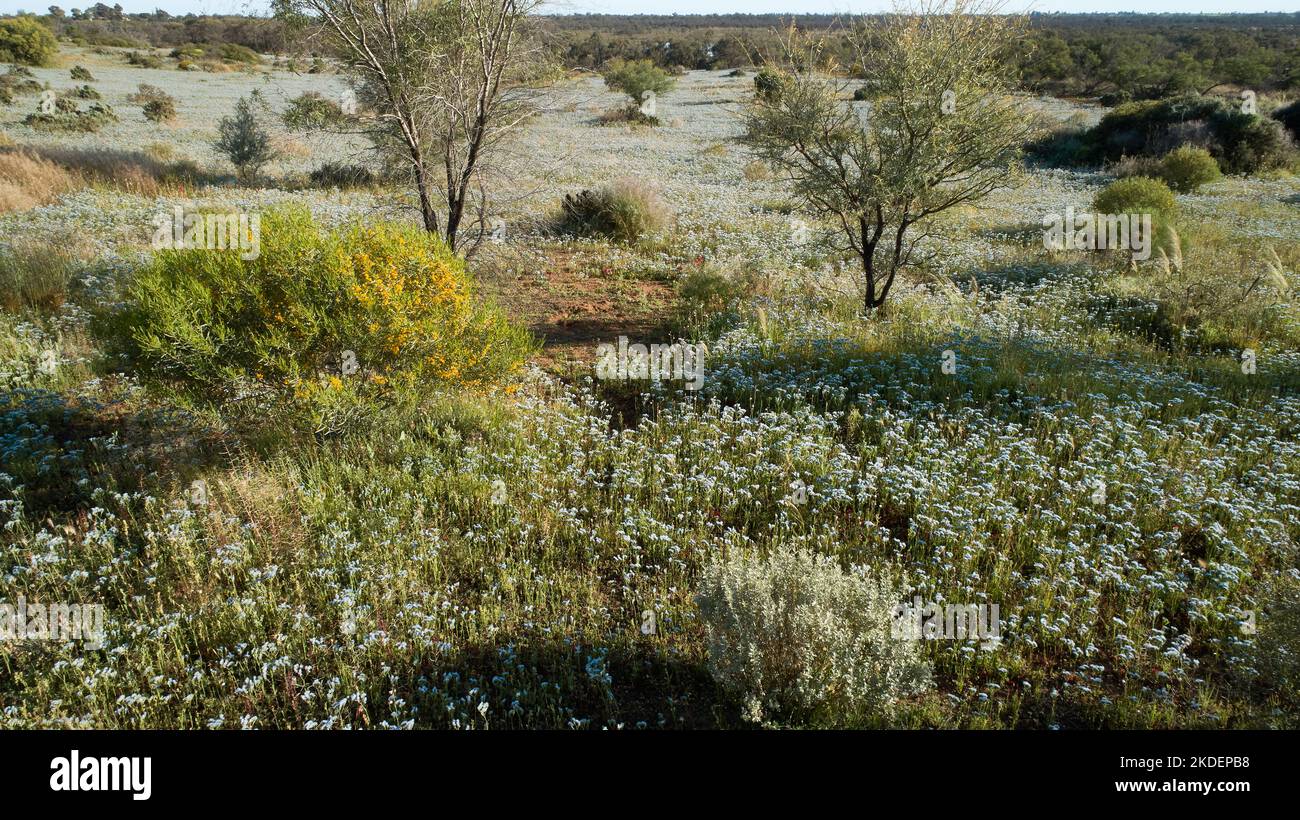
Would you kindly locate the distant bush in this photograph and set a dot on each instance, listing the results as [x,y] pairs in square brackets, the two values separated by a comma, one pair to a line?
[635,77]
[1187,168]
[243,139]
[235,53]
[757,171]
[82,74]
[1241,143]
[68,119]
[145,92]
[803,643]
[84,92]
[1135,167]
[143,59]
[25,41]
[159,110]
[342,175]
[17,81]
[189,51]
[626,211]
[312,111]
[320,325]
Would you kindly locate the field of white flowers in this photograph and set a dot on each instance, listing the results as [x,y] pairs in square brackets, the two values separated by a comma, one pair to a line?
[1126,493]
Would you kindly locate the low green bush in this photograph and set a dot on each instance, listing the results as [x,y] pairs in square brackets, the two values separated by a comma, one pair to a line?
[1187,168]
[1134,195]
[320,326]
[23,40]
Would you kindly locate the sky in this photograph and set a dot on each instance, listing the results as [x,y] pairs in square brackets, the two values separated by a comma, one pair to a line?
[709,6]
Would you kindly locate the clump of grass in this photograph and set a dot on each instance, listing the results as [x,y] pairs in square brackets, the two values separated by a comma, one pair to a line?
[757,171]
[136,172]
[35,277]
[28,180]
[626,210]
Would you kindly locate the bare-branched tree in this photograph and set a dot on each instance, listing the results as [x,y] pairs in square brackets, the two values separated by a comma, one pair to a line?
[440,85]
[938,127]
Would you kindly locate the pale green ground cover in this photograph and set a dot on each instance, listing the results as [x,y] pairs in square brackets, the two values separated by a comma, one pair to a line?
[373,581]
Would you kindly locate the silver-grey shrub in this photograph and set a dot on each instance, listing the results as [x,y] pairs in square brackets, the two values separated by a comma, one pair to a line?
[802,642]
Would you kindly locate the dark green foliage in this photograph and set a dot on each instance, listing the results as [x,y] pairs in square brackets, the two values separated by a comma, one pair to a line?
[243,139]
[342,175]
[1241,143]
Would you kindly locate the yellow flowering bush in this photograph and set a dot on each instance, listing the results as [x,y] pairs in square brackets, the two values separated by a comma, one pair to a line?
[324,322]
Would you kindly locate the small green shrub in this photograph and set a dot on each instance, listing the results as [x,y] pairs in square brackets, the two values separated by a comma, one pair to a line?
[1187,168]
[768,83]
[243,139]
[626,210]
[84,92]
[1143,195]
[82,74]
[1135,195]
[23,40]
[802,642]
[635,77]
[318,325]
[312,111]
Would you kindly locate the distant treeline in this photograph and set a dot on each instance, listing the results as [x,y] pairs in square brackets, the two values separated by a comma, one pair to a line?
[1119,56]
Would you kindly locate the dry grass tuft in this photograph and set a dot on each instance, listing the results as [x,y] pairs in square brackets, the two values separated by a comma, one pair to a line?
[28,180]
